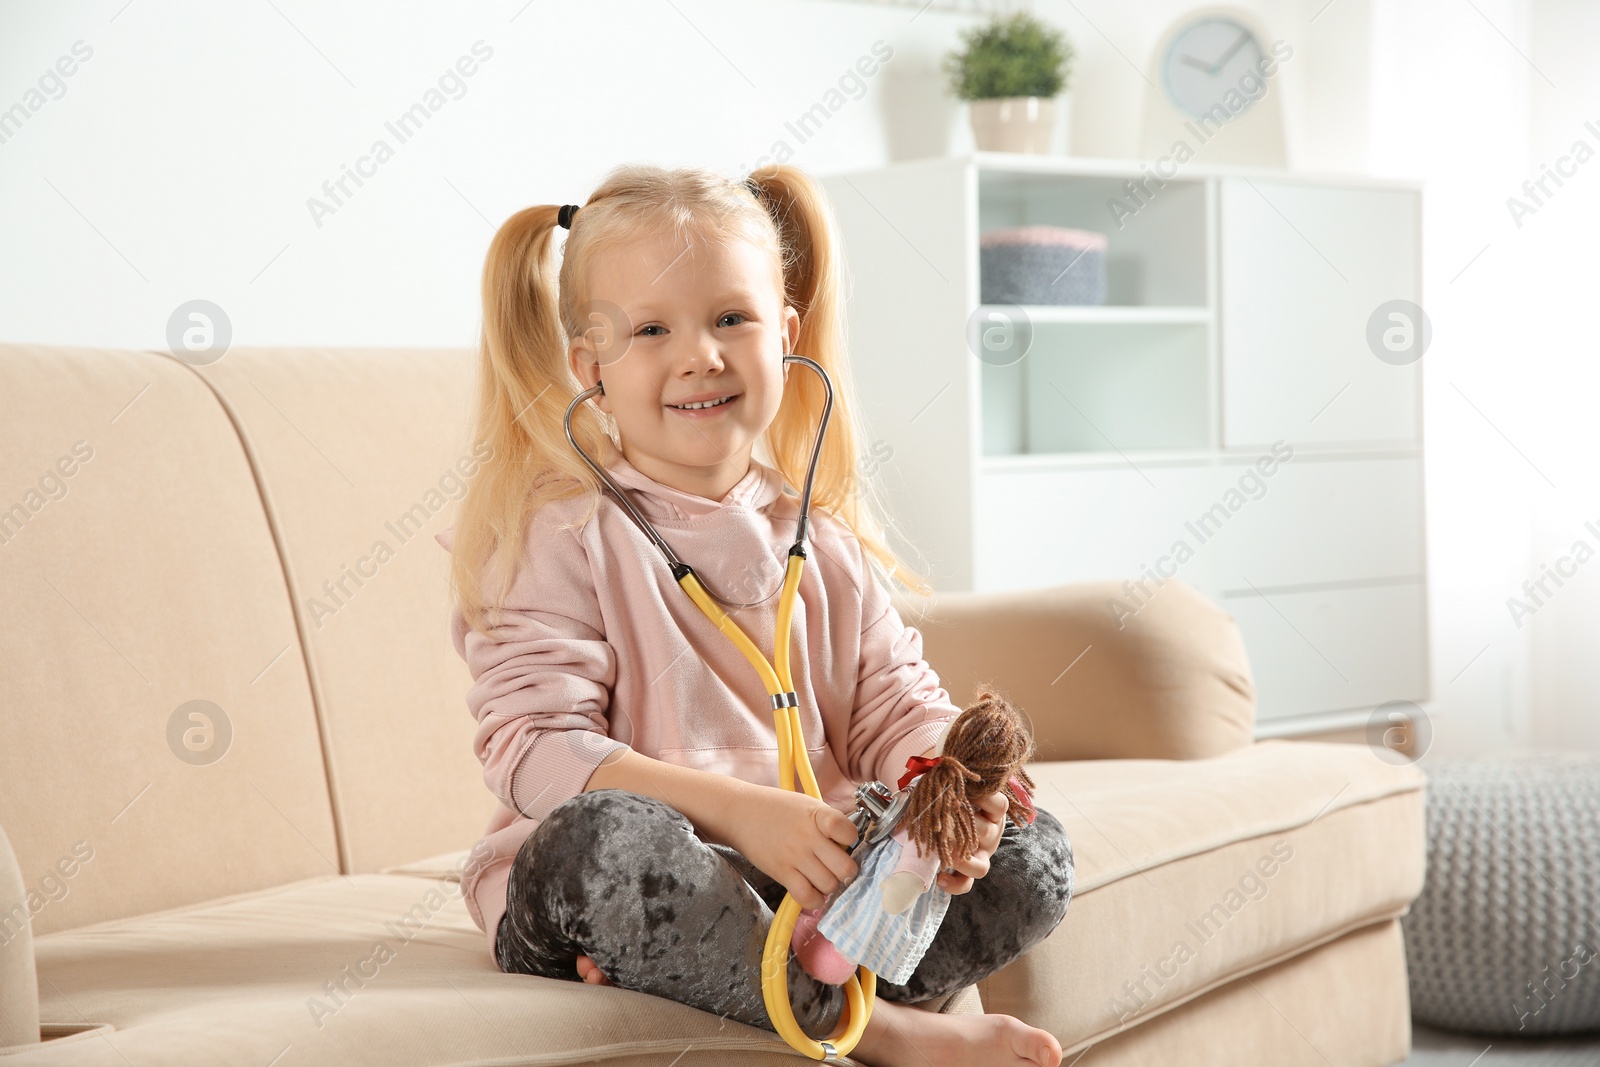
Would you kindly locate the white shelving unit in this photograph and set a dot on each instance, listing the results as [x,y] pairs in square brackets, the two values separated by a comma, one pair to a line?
[1234,332]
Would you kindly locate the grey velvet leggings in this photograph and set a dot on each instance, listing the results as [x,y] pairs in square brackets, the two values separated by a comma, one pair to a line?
[626,880]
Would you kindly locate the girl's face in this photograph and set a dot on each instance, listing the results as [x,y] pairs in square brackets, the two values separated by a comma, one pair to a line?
[671,325]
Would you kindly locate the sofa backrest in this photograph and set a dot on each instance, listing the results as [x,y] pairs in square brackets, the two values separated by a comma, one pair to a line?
[256,535]
[160,741]
[361,455]
[1173,682]
[224,651]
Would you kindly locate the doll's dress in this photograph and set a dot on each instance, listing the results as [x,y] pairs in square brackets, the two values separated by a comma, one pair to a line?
[856,923]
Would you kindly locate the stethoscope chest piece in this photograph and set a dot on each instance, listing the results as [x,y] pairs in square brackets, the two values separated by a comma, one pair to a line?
[878,812]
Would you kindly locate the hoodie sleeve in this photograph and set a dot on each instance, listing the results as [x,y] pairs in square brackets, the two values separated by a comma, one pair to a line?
[542,678]
[901,710]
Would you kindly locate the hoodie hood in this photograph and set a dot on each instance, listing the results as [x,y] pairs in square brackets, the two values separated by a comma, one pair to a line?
[760,486]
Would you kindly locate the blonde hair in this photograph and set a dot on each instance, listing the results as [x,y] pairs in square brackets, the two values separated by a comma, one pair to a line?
[531,309]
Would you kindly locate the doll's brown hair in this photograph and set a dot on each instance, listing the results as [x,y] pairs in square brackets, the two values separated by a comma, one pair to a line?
[985,747]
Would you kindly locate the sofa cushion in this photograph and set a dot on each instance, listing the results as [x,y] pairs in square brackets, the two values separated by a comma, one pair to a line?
[362,455]
[1168,853]
[1283,1015]
[368,969]
[1191,873]
[140,575]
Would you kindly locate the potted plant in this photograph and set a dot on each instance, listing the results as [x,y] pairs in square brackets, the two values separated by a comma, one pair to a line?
[1010,74]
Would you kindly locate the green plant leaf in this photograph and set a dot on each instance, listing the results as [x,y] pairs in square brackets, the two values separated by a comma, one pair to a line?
[1014,55]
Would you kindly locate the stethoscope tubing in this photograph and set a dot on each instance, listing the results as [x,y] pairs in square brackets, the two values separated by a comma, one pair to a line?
[792,758]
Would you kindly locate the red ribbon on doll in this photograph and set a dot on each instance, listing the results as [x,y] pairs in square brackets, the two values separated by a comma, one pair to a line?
[915,766]
[1026,808]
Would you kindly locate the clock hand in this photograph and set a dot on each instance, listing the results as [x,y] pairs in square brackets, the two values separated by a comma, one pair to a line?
[1240,43]
[1202,64]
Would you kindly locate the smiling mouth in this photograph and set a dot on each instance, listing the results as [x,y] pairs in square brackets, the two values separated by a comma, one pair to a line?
[705,405]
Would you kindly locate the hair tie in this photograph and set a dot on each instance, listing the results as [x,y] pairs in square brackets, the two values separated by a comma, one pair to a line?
[754,187]
[565,218]
[917,765]
[1024,802]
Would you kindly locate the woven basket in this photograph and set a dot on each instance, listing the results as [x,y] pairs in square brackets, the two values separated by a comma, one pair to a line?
[1042,265]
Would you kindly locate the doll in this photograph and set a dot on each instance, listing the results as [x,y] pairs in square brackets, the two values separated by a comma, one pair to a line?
[886,917]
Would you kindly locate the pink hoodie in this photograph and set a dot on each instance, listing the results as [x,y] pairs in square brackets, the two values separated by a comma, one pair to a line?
[601,649]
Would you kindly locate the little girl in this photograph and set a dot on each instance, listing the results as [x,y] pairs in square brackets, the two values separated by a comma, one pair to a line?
[643,838]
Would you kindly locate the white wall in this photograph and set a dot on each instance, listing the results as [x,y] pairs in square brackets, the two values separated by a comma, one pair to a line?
[1561,382]
[1475,100]
[180,158]
[1449,103]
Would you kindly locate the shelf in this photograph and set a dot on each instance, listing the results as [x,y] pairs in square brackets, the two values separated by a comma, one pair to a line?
[1004,165]
[1027,165]
[1103,386]
[1106,314]
[1031,462]
[1036,462]
[1156,243]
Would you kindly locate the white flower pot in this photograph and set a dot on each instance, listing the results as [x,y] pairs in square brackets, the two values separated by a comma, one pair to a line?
[1013,124]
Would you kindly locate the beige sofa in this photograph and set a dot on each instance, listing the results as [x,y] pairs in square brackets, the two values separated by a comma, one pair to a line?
[256,535]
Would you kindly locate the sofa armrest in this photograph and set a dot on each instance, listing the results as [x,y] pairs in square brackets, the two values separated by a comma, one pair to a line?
[19,983]
[1171,681]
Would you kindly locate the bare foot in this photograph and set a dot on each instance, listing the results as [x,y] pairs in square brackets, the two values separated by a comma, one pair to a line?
[591,973]
[899,1035]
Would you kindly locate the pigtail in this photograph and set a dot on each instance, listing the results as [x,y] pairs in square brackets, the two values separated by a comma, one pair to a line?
[813,286]
[984,749]
[524,386]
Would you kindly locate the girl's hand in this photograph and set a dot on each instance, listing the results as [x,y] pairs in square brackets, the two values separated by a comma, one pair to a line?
[989,818]
[796,840]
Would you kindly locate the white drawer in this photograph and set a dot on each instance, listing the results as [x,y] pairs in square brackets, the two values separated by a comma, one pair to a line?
[1312,520]
[1048,527]
[1322,520]
[1333,650]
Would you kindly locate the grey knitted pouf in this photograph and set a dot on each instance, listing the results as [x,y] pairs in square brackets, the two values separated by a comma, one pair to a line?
[1504,938]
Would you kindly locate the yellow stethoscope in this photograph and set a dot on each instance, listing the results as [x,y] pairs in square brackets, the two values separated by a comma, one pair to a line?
[870,817]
